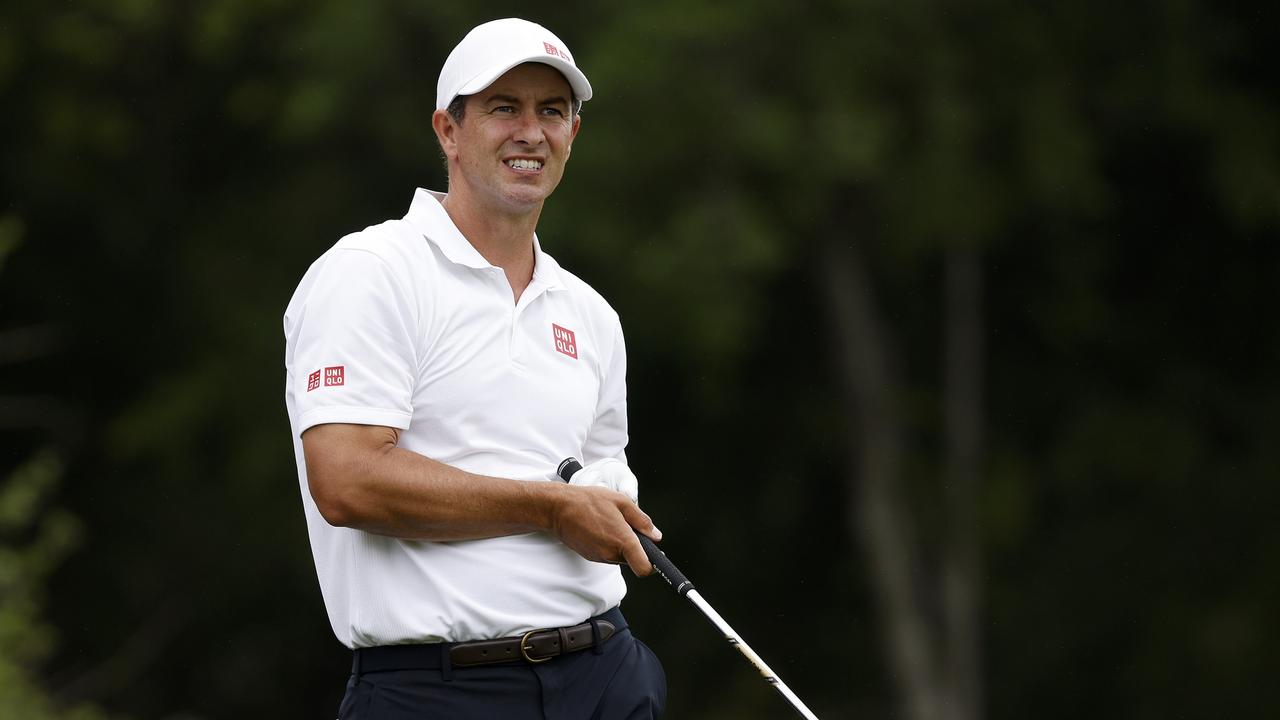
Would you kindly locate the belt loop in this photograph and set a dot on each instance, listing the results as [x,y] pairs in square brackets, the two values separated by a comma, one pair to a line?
[355,665]
[446,663]
[596,645]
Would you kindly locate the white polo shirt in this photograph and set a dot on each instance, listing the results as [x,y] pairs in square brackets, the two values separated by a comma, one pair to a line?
[404,324]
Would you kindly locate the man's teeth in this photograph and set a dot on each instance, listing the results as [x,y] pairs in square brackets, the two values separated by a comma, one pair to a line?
[525,164]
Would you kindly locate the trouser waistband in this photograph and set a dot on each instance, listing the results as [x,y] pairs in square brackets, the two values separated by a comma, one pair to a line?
[535,646]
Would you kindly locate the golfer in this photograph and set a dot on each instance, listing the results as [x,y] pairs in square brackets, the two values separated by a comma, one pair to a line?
[439,368]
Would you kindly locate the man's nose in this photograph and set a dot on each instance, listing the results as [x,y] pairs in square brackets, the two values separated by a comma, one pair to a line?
[528,129]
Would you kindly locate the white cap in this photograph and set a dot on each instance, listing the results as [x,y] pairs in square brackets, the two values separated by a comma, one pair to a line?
[495,47]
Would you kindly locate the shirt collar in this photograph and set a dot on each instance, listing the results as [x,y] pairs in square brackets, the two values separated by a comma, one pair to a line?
[428,216]
[546,271]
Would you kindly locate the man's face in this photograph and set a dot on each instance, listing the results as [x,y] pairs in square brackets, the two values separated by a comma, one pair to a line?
[510,150]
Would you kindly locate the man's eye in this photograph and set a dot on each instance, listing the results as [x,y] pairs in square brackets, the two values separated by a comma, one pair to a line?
[504,109]
[554,112]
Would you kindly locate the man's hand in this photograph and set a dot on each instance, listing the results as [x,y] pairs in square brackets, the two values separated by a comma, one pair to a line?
[598,525]
[609,473]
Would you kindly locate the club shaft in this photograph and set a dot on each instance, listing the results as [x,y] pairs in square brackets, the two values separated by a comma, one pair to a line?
[736,640]
[683,587]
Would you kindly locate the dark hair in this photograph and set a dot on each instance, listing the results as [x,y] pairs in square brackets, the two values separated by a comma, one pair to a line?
[457,108]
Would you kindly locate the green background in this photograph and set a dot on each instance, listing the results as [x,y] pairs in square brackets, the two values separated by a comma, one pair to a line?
[918,296]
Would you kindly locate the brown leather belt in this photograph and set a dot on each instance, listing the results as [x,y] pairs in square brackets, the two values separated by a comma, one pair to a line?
[535,646]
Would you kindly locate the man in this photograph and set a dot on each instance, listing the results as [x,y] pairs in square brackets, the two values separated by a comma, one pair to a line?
[439,368]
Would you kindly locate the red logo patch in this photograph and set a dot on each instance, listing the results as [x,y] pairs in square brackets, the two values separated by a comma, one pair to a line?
[553,50]
[313,381]
[565,341]
[334,375]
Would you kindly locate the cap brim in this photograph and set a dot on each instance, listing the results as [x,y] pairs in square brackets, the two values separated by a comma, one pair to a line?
[577,81]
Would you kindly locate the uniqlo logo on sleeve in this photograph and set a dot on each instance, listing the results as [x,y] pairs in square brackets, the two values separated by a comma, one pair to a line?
[565,341]
[334,375]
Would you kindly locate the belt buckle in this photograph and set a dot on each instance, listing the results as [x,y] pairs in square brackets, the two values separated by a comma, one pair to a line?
[524,649]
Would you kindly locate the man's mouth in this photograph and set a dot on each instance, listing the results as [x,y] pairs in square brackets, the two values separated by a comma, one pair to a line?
[522,164]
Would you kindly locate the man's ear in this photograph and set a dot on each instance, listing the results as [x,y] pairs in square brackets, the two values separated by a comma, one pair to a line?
[573,132]
[446,133]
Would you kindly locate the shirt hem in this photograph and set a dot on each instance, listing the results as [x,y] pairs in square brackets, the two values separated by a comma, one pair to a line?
[355,416]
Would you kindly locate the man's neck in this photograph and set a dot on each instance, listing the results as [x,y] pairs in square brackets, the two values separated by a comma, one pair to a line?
[504,239]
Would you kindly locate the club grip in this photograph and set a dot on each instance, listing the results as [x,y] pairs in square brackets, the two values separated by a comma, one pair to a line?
[661,562]
[568,468]
[665,567]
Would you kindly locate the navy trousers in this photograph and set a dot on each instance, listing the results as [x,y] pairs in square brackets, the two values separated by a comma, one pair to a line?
[620,680]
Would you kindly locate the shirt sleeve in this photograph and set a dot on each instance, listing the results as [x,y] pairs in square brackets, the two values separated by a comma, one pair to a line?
[608,435]
[352,344]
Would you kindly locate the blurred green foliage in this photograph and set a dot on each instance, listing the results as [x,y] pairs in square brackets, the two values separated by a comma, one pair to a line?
[171,169]
[33,543]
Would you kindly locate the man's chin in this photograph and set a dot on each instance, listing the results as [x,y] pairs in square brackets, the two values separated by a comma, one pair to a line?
[525,198]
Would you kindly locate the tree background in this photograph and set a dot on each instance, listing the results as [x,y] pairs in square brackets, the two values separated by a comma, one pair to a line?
[952,359]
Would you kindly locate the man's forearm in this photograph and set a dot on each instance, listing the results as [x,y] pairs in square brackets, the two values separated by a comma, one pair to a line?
[360,479]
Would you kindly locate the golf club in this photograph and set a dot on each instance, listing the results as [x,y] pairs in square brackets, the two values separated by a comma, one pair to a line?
[683,587]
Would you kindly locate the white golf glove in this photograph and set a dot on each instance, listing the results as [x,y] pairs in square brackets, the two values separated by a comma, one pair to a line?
[609,473]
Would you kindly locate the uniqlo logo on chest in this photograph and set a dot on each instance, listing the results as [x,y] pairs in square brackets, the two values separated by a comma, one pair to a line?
[334,375]
[565,341]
